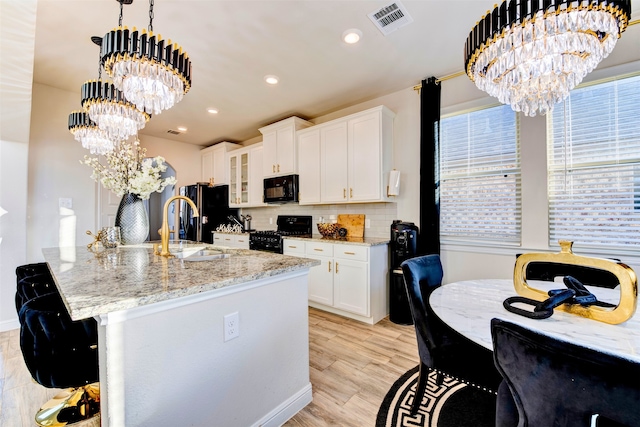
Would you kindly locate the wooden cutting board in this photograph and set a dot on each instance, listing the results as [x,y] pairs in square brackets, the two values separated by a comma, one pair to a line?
[354,223]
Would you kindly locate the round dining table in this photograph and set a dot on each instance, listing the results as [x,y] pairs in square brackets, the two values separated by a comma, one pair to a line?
[468,307]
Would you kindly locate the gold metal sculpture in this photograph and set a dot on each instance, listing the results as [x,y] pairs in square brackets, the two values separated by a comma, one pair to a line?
[97,239]
[626,277]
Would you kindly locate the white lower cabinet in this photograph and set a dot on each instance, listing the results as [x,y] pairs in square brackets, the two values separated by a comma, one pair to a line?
[240,241]
[352,280]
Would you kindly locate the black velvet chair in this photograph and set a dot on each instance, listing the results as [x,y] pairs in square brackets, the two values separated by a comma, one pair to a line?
[548,382]
[28,270]
[60,353]
[32,286]
[440,347]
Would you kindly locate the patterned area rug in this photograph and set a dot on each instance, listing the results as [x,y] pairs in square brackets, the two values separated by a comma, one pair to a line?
[455,403]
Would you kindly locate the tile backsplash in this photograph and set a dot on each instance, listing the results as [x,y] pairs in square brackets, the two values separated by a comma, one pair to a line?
[380,215]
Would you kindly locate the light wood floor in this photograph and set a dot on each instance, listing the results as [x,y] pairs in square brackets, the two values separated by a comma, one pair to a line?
[352,365]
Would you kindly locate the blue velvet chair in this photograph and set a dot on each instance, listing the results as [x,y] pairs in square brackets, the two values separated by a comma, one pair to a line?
[440,347]
[548,382]
[60,353]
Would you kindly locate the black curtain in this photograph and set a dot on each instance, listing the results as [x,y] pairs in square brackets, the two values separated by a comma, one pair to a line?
[429,242]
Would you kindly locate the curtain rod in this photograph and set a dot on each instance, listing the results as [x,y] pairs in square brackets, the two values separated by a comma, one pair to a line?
[462,73]
[441,79]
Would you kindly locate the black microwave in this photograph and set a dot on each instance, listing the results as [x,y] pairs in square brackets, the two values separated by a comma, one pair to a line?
[281,189]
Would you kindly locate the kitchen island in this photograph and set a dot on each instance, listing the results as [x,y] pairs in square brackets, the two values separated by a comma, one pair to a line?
[163,355]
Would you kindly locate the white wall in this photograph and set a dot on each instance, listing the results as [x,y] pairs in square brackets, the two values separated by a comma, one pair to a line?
[17,32]
[184,158]
[55,172]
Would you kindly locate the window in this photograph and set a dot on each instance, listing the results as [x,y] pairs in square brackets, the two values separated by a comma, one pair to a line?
[480,176]
[594,166]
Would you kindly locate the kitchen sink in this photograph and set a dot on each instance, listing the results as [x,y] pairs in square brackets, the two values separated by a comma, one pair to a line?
[202,255]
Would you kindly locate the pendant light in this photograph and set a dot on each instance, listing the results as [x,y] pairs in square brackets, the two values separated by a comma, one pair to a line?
[153,74]
[109,109]
[86,132]
[531,53]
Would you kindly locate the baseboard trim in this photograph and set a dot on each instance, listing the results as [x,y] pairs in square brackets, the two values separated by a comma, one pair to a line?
[8,325]
[369,320]
[287,409]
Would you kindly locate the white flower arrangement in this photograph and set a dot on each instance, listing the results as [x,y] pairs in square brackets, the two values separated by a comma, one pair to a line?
[127,171]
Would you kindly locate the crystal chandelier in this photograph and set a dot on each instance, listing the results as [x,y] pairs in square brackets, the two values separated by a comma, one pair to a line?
[531,53]
[153,74]
[89,134]
[109,109]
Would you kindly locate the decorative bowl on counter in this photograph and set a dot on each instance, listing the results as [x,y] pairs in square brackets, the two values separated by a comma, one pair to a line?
[328,229]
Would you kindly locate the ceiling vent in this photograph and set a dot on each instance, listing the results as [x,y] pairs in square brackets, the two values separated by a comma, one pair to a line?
[174,132]
[391,17]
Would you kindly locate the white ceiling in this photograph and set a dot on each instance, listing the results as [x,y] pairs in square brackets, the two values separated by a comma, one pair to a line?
[233,44]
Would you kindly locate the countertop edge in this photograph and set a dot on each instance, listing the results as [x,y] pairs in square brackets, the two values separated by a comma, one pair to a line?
[365,241]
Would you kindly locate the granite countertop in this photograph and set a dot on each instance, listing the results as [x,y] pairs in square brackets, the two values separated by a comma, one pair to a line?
[361,241]
[94,283]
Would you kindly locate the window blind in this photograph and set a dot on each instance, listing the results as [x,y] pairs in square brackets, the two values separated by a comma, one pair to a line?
[594,166]
[480,176]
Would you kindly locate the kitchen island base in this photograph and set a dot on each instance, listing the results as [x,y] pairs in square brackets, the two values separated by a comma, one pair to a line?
[167,363]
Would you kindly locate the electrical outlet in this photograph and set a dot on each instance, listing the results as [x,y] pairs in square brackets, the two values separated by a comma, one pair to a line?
[65,202]
[270,220]
[231,326]
[367,223]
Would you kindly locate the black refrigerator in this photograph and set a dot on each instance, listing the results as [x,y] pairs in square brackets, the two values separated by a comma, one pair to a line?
[213,206]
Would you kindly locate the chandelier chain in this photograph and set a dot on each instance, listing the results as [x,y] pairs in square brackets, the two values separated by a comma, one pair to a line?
[150,15]
[99,65]
[120,17]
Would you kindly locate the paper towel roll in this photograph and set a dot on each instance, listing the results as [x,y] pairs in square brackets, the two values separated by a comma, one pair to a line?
[393,189]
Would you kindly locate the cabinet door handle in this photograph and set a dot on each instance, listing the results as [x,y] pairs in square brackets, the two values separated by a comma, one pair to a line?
[329,264]
[273,168]
[227,239]
[278,168]
[349,253]
[240,241]
[336,267]
[351,192]
[292,247]
[319,250]
[344,193]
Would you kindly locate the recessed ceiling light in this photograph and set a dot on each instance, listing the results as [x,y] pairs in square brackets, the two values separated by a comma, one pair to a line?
[352,36]
[212,110]
[182,128]
[271,79]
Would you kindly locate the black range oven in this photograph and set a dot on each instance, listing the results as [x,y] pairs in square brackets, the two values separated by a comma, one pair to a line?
[271,240]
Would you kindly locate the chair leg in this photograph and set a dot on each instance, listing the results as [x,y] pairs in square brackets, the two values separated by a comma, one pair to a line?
[70,406]
[423,378]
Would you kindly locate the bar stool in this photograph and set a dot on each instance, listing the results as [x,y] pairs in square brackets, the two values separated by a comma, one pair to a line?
[61,353]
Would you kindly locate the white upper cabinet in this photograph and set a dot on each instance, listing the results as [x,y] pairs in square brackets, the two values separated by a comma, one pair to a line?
[214,162]
[238,161]
[246,184]
[334,162]
[354,160]
[309,167]
[256,180]
[279,155]
[365,152]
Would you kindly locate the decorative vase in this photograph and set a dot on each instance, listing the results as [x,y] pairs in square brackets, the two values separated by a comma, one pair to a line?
[133,220]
